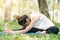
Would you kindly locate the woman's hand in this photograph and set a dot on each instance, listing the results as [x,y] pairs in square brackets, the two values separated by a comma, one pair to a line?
[6,31]
[9,32]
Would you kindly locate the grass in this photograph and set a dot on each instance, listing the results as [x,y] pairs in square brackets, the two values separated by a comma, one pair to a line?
[14,25]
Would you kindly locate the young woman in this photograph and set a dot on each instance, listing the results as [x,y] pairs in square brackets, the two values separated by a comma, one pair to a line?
[37,22]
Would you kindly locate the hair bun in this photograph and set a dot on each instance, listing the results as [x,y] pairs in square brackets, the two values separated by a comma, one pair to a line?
[18,17]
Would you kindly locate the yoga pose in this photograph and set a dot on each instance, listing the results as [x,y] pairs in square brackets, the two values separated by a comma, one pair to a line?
[36,23]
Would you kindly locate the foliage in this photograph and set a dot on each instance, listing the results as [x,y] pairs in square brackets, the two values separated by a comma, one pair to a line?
[14,25]
[21,7]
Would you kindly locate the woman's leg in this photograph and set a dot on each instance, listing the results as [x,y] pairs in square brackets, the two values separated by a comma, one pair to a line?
[34,30]
[52,29]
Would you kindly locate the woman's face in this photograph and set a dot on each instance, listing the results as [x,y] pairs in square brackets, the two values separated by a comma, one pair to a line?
[24,20]
[27,21]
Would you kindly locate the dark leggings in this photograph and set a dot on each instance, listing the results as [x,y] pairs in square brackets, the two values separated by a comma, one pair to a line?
[52,29]
[33,30]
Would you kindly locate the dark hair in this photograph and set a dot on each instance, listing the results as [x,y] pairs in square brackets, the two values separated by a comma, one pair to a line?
[22,20]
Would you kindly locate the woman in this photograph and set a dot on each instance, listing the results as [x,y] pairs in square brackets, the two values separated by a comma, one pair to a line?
[37,22]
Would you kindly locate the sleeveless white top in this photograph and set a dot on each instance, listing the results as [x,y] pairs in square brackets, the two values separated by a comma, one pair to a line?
[43,23]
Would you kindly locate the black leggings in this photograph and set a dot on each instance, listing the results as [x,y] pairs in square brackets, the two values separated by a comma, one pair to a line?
[52,29]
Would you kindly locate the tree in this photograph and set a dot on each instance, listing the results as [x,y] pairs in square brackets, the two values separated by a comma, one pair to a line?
[7,15]
[43,7]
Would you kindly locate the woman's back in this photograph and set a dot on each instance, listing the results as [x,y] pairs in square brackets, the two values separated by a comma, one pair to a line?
[43,22]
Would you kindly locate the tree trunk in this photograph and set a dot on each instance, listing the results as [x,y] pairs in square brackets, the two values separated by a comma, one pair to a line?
[43,7]
[7,10]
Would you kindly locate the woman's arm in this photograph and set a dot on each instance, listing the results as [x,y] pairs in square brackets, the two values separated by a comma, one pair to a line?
[34,19]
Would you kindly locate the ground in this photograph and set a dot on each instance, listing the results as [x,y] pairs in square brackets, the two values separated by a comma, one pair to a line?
[14,25]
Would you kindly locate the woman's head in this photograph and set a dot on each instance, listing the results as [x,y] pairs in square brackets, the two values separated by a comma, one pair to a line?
[23,20]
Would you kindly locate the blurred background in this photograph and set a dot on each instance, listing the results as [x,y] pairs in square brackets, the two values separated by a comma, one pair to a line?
[9,9]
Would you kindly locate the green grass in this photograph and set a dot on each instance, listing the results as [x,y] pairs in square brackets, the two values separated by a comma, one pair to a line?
[14,25]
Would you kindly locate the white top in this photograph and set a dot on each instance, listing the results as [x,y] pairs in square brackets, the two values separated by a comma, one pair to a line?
[43,22]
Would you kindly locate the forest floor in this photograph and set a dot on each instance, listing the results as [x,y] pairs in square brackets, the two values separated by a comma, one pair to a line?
[14,25]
